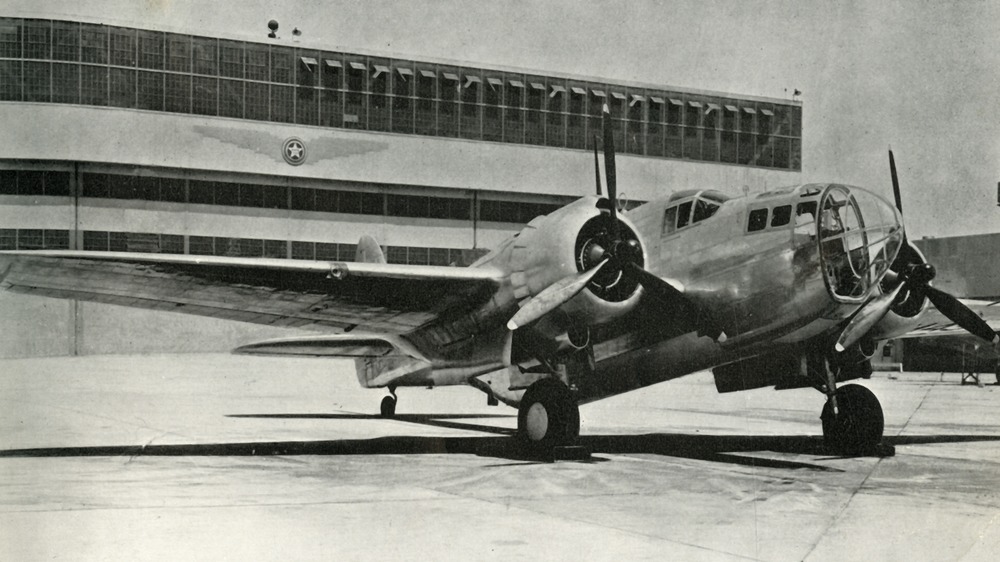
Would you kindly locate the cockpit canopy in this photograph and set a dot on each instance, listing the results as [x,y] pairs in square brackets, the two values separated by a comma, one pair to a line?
[685,208]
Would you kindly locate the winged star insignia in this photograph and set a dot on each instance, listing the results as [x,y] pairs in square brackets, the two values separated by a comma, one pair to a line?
[294,151]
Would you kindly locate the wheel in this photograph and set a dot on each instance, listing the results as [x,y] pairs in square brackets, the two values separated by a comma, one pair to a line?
[388,407]
[857,428]
[548,414]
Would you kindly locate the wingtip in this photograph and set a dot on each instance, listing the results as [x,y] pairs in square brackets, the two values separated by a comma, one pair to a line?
[511,325]
[839,348]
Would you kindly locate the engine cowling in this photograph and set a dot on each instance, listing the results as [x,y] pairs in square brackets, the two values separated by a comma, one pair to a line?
[572,240]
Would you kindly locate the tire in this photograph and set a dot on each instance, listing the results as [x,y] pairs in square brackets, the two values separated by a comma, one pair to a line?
[548,414]
[857,429]
[388,407]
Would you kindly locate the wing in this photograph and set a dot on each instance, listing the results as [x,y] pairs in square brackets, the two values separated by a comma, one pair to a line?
[332,296]
[933,323]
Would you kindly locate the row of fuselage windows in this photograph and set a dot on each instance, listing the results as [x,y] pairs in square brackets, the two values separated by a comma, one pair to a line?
[39,239]
[181,190]
[129,68]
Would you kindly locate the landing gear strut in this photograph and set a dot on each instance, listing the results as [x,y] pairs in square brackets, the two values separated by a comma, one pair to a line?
[853,421]
[388,406]
[548,414]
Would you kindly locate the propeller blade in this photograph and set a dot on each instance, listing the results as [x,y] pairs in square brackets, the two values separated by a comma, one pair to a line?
[669,294]
[895,181]
[597,168]
[866,318]
[609,170]
[961,314]
[552,297]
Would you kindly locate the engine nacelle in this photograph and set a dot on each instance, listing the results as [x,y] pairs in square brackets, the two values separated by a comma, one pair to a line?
[568,242]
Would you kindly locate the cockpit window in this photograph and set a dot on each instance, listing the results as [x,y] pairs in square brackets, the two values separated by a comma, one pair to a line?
[683,214]
[704,209]
[670,220]
[782,215]
[758,220]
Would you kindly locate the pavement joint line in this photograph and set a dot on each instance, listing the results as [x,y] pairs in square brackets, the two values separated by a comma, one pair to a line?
[915,410]
[874,467]
[595,524]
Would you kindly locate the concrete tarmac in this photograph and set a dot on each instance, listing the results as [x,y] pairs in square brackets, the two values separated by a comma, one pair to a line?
[220,457]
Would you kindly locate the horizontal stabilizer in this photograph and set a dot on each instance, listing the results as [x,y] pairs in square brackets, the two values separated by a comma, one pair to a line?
[348,346]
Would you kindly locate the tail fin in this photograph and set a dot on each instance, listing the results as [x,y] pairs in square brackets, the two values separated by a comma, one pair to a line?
[369,251]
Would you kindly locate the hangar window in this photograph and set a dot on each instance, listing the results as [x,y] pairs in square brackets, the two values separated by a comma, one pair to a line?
[654,128]
[256,98]
[178,53]
[37,39]
[448,106]
[178,93]
[37,81]
[257,62]
[150,49]
[205,92]
[231,98]
[30,239]
[492,96]
[231,59]
[555,121]
[757,220]
[150,90]
[402,107]
[8,238]
[306,105]
[122,87]
[10,38]
[66,84]
[123,51]
[206,56]
[333,74]
[201,245]
[94,44]
[576,134]
[66,41]
[282,64]
[282,103]
[94,85]
[426,116]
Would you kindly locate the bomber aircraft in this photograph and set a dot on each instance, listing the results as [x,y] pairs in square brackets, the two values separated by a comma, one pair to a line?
[787,289]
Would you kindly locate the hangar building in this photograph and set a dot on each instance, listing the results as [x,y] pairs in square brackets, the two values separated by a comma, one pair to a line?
[150,139]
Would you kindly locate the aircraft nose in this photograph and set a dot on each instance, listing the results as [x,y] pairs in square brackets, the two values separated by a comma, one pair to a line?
[883,228]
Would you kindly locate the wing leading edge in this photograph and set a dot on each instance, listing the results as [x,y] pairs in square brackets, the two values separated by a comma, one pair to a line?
[331,296]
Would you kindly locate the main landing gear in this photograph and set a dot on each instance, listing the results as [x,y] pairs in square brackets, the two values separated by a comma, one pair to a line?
[548,415]
[853,421]
[852,417]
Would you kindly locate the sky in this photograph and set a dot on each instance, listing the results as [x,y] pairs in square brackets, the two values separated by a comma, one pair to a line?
[921,76]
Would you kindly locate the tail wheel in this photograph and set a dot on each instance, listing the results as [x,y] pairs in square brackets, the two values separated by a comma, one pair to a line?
[856,428]
[548,414]
[388,407]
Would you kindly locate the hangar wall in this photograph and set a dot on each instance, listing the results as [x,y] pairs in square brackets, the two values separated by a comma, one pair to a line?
[131,139]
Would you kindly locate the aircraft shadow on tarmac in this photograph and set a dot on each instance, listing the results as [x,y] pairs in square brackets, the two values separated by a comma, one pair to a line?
[728,449]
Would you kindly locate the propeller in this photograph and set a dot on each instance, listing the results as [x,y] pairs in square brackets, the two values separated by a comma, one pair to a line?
[614,256]
[597,168]
[914,277]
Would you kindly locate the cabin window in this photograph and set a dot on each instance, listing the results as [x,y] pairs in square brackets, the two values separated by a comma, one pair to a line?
[781,216]
[704,209]
[758,220]
[670,220]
